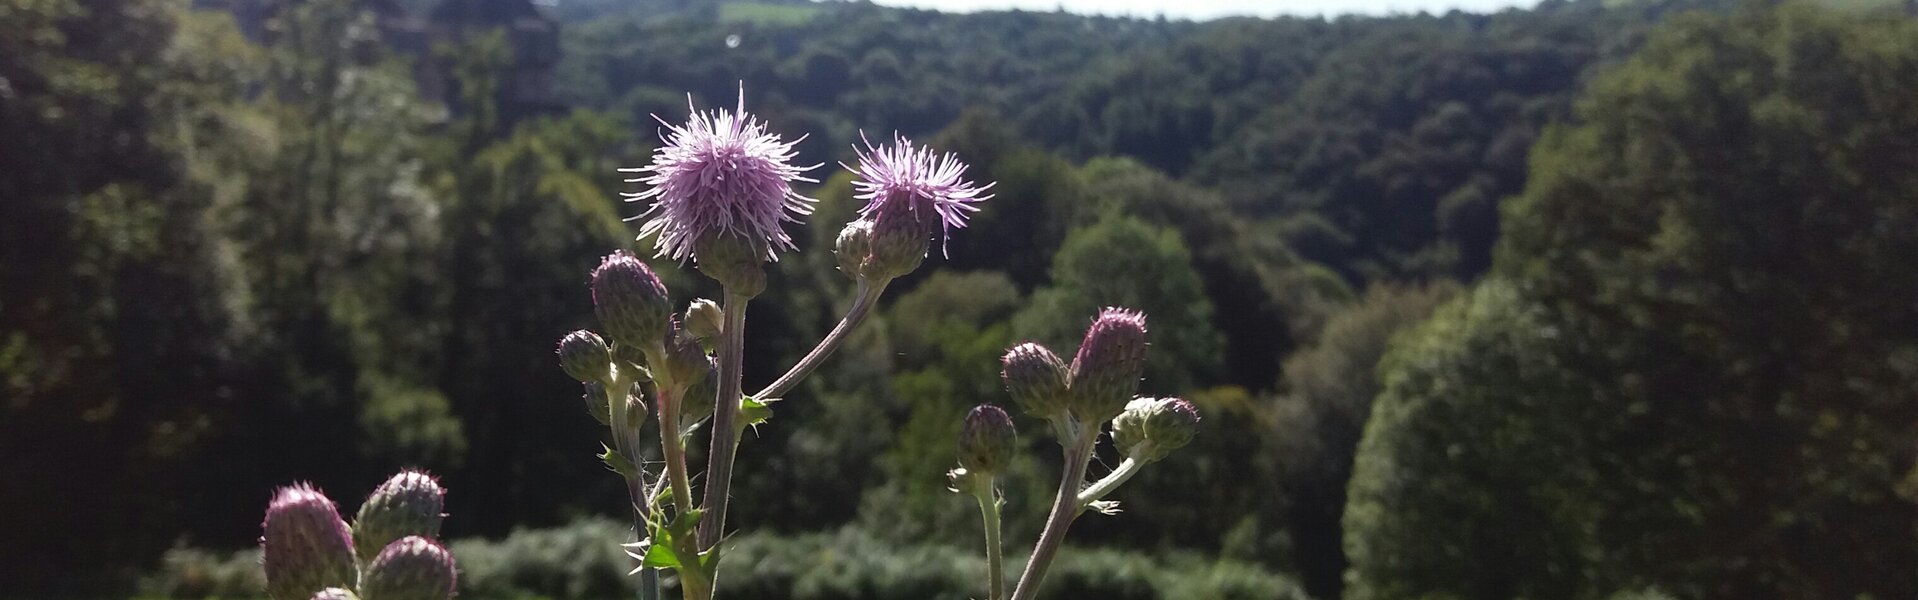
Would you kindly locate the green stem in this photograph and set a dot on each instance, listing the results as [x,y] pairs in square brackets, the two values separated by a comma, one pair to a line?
[1112,480]
[724,433]
[866,297]
[674,448]
[627,443]
[1065,507]
[995,559]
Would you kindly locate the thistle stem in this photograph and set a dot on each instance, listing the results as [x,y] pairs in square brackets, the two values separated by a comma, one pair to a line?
[866,297]
[627,443]
[1112,480]
[995,559]
[674,448]
[1065,507]
[724,433]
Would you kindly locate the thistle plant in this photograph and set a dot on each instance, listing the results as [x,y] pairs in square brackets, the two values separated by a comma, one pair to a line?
[1079,400]
[389,553]
[720,190]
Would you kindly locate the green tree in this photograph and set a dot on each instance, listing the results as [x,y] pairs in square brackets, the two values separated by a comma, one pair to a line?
[1464,483]
[1707,380]
[1316,420]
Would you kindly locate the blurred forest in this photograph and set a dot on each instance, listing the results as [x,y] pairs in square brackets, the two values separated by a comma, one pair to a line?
[1599,299]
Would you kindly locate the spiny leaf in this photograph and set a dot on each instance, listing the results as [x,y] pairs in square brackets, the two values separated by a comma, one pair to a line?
[752,412]
[618,462]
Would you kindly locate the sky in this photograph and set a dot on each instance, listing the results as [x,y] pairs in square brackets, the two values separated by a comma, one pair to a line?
[1207,9]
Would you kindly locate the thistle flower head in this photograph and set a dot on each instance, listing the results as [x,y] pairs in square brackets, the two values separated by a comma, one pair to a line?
[306,546]
[629,300]
[412,568]
[1110,362]
[1036,378]
[986,439]
[721,172]
[409,503]
[914,187]
[1150,428]
[585,357]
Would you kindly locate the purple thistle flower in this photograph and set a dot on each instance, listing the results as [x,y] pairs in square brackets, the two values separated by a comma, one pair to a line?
[720,173]
[916,179]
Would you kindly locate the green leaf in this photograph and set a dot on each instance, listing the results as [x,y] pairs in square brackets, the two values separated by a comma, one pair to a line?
[752,412]
[618,462]
[660,555]
[672,541]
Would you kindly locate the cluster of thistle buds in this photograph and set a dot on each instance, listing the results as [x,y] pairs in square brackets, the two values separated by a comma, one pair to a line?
[1078,400]
[390,552]
[720,189]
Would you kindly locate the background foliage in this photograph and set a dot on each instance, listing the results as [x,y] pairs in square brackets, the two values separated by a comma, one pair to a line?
[1587,299]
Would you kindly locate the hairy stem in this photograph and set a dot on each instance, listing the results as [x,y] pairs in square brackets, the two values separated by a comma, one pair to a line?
[627,444]
[995,559]
[725,433]
[1112,480]
[1065,507]
[674,449]
[863,301]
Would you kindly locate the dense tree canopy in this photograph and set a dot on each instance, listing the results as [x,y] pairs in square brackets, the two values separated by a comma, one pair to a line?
[1710,339]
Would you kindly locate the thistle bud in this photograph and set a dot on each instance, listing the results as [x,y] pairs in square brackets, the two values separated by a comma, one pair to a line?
[986,440]
[705,319]
[1106,371]
[899,243]
[585,356]
[853,246]
[595,397]
[1150,428]
[697,403]
[306,547]
[684,361]
[1036,378]
[630,300]
[635,414]
[735,262]
[335,594]
[413,568]
[409,503]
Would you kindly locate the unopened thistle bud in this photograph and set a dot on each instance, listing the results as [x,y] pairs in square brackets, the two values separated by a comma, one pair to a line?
[335,594]
[635,415]
[306,547]
[585,357]
[697,403]
[1036,378]
[413,568]
[705,319]
[595,397]
[1150,428]
[1106,371]
[986,440]
[630,300]
[684,361]
[853,246]
[409,503]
